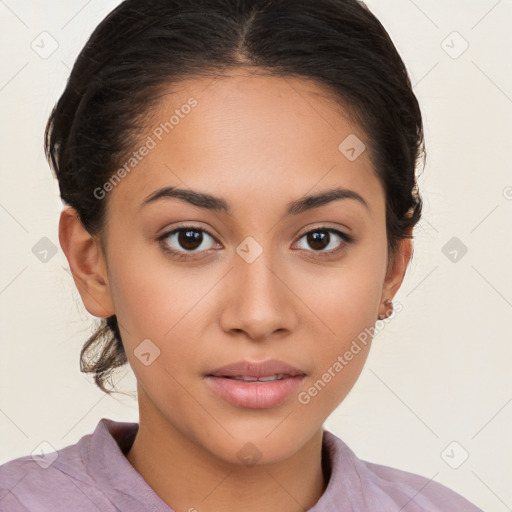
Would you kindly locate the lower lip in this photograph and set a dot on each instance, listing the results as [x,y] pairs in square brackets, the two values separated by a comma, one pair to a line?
[254,395]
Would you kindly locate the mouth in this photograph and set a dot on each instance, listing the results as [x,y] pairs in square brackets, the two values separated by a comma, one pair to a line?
[247,378]
[255,385]
[257,370]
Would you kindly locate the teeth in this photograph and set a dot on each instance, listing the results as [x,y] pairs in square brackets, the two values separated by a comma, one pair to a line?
[271,377]
[260,379]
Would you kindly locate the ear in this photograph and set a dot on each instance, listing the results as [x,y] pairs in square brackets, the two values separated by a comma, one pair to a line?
[397,265]
[87,264]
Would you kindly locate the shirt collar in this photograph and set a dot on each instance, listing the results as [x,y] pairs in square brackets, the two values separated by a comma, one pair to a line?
[106,463]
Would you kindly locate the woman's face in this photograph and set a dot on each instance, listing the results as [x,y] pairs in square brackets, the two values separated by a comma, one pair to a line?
[259,281]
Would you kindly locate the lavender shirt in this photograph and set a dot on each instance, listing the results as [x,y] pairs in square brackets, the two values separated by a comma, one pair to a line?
[94,475]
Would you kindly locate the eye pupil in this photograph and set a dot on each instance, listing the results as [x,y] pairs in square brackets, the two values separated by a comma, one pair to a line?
[190,239]
[318,239]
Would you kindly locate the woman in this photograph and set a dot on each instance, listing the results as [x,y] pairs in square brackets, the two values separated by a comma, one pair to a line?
[240,190]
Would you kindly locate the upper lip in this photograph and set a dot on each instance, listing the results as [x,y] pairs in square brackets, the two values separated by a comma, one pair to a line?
[257,369]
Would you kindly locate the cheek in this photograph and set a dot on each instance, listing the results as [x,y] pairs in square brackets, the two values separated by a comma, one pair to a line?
[150,293]
[338,359]
[346,301]
[346,297]
[154,300]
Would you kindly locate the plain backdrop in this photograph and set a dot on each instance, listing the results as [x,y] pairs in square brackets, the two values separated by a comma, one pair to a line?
[436,390]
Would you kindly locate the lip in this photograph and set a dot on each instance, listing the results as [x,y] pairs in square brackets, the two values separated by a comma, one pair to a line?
[257,369]
[255,394]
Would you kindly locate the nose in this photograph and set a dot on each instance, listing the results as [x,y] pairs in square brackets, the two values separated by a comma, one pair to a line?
[259,302]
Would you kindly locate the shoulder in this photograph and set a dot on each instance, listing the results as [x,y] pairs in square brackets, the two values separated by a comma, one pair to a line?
[387,489]
[416,492]
[53,481]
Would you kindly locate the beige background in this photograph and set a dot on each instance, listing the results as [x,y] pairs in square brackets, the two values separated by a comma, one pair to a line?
[440,370]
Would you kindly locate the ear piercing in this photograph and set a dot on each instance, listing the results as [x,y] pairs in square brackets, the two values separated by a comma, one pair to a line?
[387,302]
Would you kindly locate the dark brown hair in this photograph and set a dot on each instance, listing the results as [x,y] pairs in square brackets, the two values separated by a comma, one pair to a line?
[144,46]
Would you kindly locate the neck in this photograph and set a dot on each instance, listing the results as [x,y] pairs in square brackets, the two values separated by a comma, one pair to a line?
[187,477]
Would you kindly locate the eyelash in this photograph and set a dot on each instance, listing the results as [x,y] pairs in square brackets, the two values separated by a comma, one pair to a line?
[347,239]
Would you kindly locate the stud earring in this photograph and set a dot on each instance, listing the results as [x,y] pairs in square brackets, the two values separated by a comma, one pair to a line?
[387,302]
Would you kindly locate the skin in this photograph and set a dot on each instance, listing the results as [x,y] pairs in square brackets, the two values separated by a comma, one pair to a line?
[258,142]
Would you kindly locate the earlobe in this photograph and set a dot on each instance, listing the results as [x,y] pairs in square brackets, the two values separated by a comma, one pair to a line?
[87,264]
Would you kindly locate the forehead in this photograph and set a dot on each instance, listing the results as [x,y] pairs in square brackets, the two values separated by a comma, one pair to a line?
[243,134]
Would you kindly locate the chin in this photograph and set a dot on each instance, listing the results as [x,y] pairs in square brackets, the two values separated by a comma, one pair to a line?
[256,443]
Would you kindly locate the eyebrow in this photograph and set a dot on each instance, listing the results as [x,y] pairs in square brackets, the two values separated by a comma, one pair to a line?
[209,202]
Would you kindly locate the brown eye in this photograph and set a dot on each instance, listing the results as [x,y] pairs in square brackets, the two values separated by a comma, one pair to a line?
[325,240]
[318,240]
[187,240]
